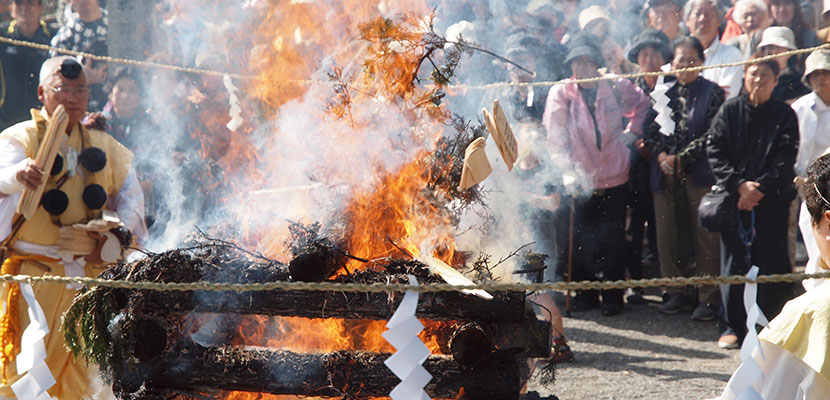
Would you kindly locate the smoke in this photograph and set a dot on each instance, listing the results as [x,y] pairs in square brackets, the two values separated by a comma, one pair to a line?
[294,161]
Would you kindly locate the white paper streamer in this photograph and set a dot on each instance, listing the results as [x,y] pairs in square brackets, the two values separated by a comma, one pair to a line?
[235,110]
[661,106]
[411,351]
[32,357]
[750,370]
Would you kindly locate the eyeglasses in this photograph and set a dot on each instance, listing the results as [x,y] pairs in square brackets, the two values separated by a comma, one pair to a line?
[78,91]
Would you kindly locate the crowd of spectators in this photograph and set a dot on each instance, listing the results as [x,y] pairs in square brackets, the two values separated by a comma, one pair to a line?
[653,147]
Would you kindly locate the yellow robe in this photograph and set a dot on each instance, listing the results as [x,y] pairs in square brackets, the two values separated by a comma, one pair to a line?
[803,329]
[71,374]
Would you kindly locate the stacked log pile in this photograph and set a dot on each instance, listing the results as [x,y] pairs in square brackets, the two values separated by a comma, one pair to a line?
[151,352]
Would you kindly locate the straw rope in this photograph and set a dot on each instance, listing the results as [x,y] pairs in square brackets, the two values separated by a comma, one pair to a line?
[202,71]
[429,288]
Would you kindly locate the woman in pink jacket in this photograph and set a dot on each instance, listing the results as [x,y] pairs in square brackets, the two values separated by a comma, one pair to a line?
[590,128]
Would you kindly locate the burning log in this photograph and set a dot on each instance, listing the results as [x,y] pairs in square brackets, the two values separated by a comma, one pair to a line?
[315,266]
[444,306]
[153,344]
[181,267]
[343,374]
[470,345]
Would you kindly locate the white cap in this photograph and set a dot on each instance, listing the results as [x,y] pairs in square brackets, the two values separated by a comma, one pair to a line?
[819,59]
[778,36]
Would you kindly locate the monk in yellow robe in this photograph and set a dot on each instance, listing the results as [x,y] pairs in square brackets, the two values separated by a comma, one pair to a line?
[92,174]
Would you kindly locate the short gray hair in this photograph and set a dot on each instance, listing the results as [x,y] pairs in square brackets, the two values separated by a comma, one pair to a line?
[743,6]
[714,3]
[50,67]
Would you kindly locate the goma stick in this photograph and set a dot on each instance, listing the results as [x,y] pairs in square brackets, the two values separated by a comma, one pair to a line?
[46,152]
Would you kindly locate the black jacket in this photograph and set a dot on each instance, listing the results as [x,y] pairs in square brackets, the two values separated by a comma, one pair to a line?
[20,69]
[747,143]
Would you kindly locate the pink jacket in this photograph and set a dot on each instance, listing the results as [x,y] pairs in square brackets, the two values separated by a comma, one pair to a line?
[570,128]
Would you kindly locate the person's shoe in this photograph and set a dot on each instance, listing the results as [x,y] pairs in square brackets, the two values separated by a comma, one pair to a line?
[585,301]
[611,309]
[635,296]
[728,342]
[665,296]
[705,312]
[677,303]
[561,352]
[649,258]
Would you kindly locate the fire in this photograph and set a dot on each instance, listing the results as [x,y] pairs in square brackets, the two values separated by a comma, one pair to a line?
[400,210]
[394,212]
[305,335]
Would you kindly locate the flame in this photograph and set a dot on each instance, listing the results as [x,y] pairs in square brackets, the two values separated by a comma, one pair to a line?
[399,211]
[325,335]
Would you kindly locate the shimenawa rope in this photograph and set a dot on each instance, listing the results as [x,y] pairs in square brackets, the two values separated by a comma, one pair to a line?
[429,288]
[202,71]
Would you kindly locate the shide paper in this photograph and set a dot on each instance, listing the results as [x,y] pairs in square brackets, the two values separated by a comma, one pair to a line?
[411,353]
[32,357]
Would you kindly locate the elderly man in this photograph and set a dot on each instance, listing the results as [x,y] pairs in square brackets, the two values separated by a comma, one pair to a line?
[704,18]
[91,175]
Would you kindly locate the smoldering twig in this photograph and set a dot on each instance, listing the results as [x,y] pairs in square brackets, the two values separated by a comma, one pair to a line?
[233,245]
[511,255]
[431,99]
[356,258]
[146,252]
[490,53]
[401,249]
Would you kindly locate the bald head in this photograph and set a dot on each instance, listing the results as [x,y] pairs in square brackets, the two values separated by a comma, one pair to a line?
[63,82]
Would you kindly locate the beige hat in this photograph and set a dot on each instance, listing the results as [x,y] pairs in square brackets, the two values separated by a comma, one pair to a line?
[778,36]
[591,14]
[537,5]
[819,59]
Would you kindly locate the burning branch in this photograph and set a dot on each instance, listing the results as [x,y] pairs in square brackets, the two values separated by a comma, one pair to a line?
[341,105]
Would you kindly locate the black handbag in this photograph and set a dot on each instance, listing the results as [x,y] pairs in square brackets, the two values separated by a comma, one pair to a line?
[718,210]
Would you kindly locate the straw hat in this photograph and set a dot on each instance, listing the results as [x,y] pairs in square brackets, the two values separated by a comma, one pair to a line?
[780,36]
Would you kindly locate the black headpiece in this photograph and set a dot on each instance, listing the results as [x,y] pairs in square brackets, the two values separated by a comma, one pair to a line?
[71,68]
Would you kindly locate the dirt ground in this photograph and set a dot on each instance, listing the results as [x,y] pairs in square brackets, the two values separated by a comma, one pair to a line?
[642,354]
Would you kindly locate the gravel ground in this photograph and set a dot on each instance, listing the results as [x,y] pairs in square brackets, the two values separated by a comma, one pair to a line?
[642,354]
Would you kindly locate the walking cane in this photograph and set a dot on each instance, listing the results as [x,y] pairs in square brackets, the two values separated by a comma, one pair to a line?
[570,259]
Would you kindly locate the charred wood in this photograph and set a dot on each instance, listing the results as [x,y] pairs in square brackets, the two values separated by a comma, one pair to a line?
[470,345]
[443,306]
[342,374]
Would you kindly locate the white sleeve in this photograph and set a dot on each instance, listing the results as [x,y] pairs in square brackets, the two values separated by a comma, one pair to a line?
[733,78]
[12,160]
[129,204]
[12,156]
